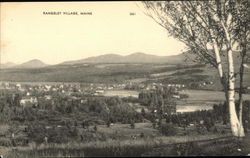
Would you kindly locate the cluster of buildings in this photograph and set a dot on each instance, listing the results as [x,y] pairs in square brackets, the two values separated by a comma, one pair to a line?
[31,93]
[177,85]
[152,86]
[206,83]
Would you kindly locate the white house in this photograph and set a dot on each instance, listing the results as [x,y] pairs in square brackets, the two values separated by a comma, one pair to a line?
[18,85]
[28,101]
[48,97]
[99,91]
[176,96]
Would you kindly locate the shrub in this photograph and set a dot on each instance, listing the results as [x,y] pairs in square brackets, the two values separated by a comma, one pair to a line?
[201,129]
[5,142]
[132,124]
[183,96]
[108,123]
[168,129]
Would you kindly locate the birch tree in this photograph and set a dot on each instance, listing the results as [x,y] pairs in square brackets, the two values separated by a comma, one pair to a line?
[242,34]
[204,26]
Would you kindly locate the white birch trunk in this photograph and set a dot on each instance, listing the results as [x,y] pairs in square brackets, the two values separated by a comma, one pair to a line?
[218,59]
[219,63]
[236,127]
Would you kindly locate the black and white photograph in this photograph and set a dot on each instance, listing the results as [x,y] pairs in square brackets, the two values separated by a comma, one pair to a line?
[124,79]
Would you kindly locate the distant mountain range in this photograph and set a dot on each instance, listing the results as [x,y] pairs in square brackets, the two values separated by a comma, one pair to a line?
[35,63]
[116,59]
[112,68]
[132,58]
[107,58]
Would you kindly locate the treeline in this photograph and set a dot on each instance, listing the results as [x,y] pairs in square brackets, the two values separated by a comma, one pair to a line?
[206,119]
[113,109]
[161,100]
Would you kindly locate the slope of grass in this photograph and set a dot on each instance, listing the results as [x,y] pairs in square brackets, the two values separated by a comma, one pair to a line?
[161,146]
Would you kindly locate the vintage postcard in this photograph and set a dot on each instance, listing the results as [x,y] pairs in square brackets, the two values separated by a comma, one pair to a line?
[124,79]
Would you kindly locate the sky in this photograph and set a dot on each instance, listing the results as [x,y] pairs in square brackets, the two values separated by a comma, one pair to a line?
[28,33]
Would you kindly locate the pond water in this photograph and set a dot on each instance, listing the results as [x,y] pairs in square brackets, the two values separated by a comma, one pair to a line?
[192,108]
[197,100]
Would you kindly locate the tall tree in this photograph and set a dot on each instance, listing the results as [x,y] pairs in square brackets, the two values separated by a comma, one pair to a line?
[202,26]
[242,33]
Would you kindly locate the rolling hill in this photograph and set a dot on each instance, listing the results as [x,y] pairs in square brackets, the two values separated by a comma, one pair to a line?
[35,63]
[7,65]
[112,68]
[132,58]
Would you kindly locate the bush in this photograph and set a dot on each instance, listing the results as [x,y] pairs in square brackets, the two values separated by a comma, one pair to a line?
[132,125]
[183,96]
[186,149]
[201,129]
[168,129]
[5,142]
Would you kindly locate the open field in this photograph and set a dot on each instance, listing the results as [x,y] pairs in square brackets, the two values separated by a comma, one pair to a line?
[199,145]
[102,73]
[121,93]
[206,97]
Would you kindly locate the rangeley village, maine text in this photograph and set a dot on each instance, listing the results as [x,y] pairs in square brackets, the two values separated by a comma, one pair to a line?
[66,13]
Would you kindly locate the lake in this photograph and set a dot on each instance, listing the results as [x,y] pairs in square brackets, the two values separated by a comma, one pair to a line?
[197,100]
[202,100]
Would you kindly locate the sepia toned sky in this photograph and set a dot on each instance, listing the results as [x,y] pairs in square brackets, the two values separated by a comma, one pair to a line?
[26,33]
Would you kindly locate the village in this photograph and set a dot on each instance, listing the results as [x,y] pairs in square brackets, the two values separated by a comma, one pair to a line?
[32,94]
